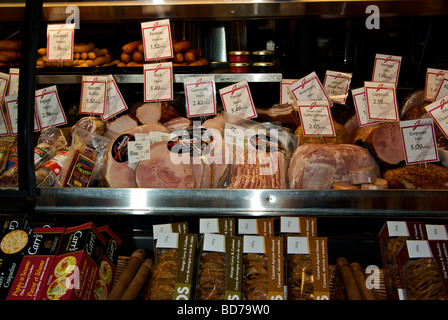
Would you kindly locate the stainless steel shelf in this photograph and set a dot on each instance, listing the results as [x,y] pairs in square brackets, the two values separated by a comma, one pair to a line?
[178,78]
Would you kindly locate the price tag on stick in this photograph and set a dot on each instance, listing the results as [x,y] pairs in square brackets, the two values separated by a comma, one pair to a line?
[237,100]
[316,118]
[359,99]
[93,95]
[48,108]
[309,88]
[419,141]
[200,96]
[12,110]
[439,112]
[3,126]
[285,92]
[4,78]
[434,79]
[386,68]
[60,42]
[381,101]
[336,84]
[158,81]
[115,103]
[157,43]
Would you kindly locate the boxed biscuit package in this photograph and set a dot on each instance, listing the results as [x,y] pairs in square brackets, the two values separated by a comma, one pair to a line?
[29,282]
[258,226]
[105,275]
[392,236]
[307,265]
[176,227]
[422,266]
[220,271]
[12,222]
[263,277]
[224,226]
[77,263]
[174,265]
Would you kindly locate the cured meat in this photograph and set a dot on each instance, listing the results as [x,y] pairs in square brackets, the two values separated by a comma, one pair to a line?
[177,123]
[120,124]
[285,114]
[318,166]
[216,122]
[413,99]
[386,144]
[91,124]
[425,176]
[156,112]
[117,172]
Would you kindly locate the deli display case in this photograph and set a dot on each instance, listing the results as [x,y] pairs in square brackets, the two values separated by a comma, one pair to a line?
[283,40]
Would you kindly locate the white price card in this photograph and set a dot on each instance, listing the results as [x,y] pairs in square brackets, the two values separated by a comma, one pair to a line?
[13,83]
[309,88]
[316,118]
[139,150]
[12,111]
[359,100]
[381,101]
[93,95]
[60,42]
[286,96]
[200,96]
[4,78]
[115,103]
[48,108]
[237,100]
[419,141]
[158,81]
[386,68]
[433,80]
[157,43]
[336,85]
[3,126]
[442,92]
[439,112]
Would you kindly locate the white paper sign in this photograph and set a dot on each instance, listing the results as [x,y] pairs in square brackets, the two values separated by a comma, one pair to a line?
[3,126]
[158,81]
[4,78]
[315,118]
[386,68]
[443,90]
[115,103]
[434,78]
[60,42]
[48,108]
[237,100]
[336,85]
[309,88]
[285,93]
[12,108]
[200,96]
[439,112]
[13,83]
[419,141]
[157,42]
[138,151]
[381,101]
[93,95]
[359,100]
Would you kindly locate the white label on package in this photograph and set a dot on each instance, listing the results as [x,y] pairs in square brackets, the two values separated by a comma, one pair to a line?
[115,103]
[381,101]
[48,108]
[200,96]
[316,118]
[237,100]
[434,78]
[13,83]
[138,151]
[253,244]
[336,85]
[436,232]
[289,224]
[247,226]
[161,228]
[167,240]
[297,245]
[60,42]
[208,225]
[418,249]
[93,94]
[158,82]
[419,141]
[214,242]
[386,68]
[4,78]
[397,229]
[439,112]
[157,42]
[309,88]
[285,92]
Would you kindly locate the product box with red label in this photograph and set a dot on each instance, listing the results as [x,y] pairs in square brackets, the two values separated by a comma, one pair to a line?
[391,237]
[75,266]
[105,275]
[422,265]
[29,282]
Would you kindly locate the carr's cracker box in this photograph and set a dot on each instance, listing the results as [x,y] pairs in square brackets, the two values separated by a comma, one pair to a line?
[260,227]
[75,266]
[13,244]
[220,267]
[422,265]
[105,275]
[12,222]
[392,236]
[29,282]
[263,277]
[224,226]
[307,264]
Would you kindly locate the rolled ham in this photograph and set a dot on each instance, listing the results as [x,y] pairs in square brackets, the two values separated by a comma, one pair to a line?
[91,124]
[177,123]
[152,112]
[386,144]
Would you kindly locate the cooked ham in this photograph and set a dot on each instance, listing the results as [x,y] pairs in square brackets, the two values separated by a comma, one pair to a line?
[318,166]
[152,112]
[282,113]
[386,144]
[91,124]
[117,172]
[177,123]
[120,124]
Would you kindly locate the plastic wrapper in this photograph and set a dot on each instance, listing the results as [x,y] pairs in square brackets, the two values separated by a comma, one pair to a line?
[47,174]
[301,278]
[5,144]
[51,141]
[10,176]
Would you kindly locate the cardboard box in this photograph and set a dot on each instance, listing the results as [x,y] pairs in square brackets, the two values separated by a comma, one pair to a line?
[29,282]
[75,266]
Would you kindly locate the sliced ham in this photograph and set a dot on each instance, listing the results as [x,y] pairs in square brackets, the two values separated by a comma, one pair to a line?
[282,113]
[318,166]
[120,124]
[386,144]
[117,172]
[177,123]
[152,112]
